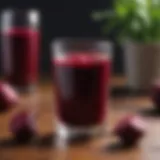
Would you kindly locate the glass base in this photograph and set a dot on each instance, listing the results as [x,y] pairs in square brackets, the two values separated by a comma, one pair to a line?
[80,133]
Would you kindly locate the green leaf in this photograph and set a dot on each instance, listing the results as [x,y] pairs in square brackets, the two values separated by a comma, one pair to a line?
[109,26]
[155,13]
[121,11]
[123,7]
[140,19]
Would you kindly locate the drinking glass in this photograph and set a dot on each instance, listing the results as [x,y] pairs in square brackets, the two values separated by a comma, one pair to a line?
[20,47]
[81,73]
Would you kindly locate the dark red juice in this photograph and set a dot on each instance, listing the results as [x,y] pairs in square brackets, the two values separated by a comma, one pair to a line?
[81,89]
[20,47]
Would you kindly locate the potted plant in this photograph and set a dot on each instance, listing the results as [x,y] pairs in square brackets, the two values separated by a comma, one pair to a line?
[137,23]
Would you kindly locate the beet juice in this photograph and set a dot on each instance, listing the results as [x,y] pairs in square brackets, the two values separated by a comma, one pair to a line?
[20,47]
[81,82]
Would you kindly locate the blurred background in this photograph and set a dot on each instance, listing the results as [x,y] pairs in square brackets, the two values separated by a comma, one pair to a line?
[133,26]
[71,18]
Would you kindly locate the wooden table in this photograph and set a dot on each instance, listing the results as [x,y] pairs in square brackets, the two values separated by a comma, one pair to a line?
[41,102]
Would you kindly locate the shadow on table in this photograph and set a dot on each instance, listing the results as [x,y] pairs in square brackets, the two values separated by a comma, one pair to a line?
[116,147]
[45,141]
[127,92]
[9,143]
[50,140]
[149,112]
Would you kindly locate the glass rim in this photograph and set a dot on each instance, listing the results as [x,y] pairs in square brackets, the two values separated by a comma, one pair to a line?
[60,46]
[19,17]
[83,40]
[5,10]
[31,12]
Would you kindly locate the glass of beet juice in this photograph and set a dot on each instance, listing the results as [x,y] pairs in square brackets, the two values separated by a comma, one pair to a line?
[81,73]
[20,47]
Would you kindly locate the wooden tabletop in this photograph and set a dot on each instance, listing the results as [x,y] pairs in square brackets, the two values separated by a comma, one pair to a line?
[42,102]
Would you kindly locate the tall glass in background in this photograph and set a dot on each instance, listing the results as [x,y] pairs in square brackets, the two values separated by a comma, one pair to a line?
[20,47]
[81,78]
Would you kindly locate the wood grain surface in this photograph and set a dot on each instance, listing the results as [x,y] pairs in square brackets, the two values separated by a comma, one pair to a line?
[98,148]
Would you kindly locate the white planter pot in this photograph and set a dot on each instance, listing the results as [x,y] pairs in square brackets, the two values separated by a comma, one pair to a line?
[142,64]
